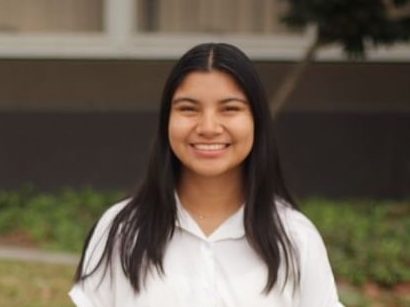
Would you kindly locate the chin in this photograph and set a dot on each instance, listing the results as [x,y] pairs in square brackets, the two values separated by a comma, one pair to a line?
[212,172]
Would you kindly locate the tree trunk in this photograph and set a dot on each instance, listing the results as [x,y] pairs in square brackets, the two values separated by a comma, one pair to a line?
[292,78]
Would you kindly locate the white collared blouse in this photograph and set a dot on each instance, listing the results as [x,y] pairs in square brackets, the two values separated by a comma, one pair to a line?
[220,270]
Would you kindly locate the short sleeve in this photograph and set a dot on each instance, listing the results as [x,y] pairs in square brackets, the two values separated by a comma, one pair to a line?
[318,287]
[317,283]
[97,290]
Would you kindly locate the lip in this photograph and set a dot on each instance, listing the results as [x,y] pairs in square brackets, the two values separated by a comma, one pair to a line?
[209,150]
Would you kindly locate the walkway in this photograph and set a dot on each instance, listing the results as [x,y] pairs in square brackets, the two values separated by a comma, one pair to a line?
[35,255]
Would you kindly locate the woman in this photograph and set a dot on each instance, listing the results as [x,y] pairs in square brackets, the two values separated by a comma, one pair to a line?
[212,223]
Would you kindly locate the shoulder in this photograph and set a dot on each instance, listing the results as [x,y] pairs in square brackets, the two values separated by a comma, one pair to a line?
[95,288]
[298,226]
[109,215]
[294,221]
[317,284]
[99,236]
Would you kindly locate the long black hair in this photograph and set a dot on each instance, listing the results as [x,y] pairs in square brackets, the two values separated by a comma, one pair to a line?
[142,229]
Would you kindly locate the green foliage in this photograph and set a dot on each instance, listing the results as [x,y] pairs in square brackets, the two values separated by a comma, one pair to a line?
[54,220]
[351,23]
[366,240]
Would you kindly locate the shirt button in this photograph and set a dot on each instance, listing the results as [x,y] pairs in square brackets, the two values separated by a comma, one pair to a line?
[205,247]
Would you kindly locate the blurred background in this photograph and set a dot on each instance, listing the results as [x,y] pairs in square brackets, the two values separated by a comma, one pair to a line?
[80,84]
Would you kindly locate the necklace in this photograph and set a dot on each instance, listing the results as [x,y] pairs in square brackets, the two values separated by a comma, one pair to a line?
[203,217]
[199,215]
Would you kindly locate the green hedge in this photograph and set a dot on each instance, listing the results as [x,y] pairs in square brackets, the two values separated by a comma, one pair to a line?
[58,221]
[366,240]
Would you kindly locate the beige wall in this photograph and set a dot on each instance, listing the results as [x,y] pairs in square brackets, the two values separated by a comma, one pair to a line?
[50,15]
[220,16]
[246,16]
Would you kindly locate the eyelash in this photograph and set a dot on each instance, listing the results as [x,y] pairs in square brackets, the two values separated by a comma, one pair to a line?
[187,109]
[190,109]
[231,109]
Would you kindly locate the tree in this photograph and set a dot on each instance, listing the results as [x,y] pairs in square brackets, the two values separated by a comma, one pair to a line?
[356,25]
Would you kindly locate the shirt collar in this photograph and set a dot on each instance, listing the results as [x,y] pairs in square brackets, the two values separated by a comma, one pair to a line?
[232,228]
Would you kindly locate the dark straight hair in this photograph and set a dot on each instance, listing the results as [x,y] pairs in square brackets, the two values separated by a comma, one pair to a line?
[142,229]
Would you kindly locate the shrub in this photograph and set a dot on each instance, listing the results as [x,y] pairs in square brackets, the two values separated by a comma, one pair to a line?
[59,220]
[366,240]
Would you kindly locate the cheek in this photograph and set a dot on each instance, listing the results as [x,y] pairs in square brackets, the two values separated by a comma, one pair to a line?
[245,131]
[172,131]
[178,129]
[250,139]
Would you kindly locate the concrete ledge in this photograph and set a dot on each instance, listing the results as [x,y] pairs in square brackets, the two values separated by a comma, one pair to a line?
[34,255]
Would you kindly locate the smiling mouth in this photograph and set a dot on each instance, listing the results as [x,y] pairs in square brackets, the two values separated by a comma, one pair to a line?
[210,147]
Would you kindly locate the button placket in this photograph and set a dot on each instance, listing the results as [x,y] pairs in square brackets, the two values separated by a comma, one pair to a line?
[209,278]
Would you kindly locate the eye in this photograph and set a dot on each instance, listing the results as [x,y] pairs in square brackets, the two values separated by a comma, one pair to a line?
[232,108]
[186,108]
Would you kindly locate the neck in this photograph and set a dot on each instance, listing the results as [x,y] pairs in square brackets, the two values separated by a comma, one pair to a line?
[211,196]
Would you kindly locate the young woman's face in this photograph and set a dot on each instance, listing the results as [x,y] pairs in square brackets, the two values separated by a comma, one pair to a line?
[211,127]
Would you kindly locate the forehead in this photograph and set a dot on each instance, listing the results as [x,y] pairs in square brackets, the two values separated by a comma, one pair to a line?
[209,83]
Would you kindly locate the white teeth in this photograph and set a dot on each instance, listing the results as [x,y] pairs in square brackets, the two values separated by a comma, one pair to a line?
[209,147]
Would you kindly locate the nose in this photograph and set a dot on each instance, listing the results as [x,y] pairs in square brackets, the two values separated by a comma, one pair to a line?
[209,125]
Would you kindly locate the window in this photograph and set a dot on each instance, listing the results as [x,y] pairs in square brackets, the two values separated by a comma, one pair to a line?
[51,16]
[211,16]
[160,29]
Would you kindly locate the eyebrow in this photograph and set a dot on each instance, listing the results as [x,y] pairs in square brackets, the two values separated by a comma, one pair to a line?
[223,101]
[229,99]
[184,99]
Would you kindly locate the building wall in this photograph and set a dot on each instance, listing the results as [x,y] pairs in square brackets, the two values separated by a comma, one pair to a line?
[344,132]
[120,85]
